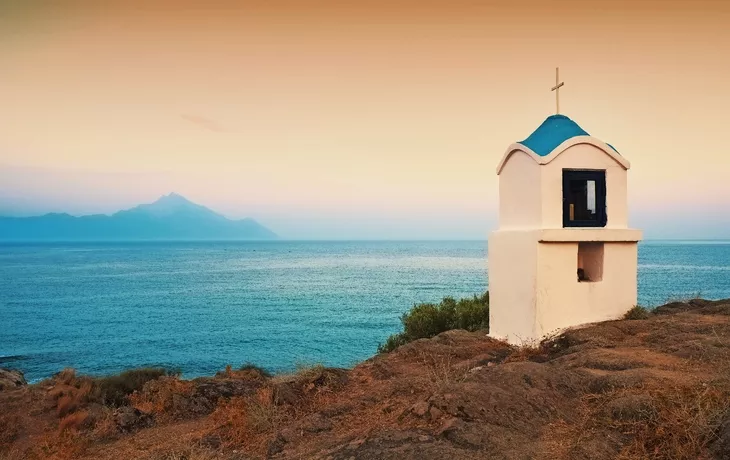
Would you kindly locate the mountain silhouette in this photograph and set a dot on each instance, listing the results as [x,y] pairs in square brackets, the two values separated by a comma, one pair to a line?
[171,217]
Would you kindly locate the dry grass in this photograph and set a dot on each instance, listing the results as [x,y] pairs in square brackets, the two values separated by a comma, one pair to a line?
[10,429]
[105,428]
[685,421]
[160,398]
[185,453]
[71,394]
[303,371]
[309,381]
[12,454]
[637,313]
[248,371]
[538,350]
[67,445]
[67,376]
[664,424]
[249,421]
[524,353]
[262,412]
[73,421]
[441,371]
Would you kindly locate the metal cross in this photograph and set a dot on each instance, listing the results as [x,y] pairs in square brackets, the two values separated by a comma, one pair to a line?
[556,88]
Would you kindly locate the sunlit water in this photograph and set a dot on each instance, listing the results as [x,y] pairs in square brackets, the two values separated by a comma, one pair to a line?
[106,307]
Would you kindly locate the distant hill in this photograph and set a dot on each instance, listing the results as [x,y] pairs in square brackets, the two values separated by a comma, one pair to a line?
[171,217]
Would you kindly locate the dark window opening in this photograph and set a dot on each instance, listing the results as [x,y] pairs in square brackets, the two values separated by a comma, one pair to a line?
[584,198]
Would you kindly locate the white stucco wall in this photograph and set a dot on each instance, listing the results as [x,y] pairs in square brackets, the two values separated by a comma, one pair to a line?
[520,204]
[512,260]
[562,301]
[582,156]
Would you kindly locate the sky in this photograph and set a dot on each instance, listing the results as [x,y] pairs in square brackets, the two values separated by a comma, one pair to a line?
[350,119]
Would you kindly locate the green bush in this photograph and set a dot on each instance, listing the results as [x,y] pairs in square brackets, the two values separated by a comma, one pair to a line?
[428,320]
[637,312]
[114,389]
[252,367]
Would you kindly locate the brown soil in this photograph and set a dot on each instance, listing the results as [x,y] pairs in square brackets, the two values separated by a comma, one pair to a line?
[653,388]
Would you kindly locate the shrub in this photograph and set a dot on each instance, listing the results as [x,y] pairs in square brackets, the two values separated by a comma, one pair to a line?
[392,342]
[66,404]
[428,320]
[74,421]
[67,376]
[249,421]
[246,371]
[254,368]
[638,312]
[115,388]
[167,397]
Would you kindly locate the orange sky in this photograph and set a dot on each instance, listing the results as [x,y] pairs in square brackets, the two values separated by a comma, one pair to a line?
[357,119]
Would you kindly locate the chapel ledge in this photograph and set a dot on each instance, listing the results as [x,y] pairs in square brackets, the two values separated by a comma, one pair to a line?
[565,235]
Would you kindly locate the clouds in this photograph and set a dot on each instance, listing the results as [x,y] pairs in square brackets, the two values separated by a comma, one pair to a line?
[203,122]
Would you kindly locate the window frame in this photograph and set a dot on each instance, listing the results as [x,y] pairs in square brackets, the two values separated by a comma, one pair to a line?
[599,177]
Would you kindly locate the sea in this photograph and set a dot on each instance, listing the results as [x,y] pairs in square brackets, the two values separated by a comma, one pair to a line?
[197,306]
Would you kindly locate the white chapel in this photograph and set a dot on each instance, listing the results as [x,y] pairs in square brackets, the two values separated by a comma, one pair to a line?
[563,254]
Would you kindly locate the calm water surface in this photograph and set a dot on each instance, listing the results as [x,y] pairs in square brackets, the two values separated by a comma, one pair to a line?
[104,307]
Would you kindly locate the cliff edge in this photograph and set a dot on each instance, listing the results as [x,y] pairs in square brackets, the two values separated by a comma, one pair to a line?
[657,387]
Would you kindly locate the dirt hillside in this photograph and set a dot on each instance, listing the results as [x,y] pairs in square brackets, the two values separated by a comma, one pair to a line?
[648,388]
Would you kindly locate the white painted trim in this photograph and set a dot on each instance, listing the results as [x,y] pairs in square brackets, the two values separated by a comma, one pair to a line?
[568,234]
[560,149]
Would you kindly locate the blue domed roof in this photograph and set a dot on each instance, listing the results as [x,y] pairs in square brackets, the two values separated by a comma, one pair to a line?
[555,130]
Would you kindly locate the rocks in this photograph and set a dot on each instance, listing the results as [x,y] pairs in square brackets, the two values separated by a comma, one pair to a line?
[289,434]
[352,445]
[463,434]
[420,408]
[425,410]
[435,413]
[315,423]
[450,424]
[213,389]
[190,399]
[308,381]
[11,379]
[721,445]
[276,446]
[284,393]
[128,419]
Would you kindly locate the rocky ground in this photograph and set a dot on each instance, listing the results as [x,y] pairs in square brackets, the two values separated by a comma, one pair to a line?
[648,388]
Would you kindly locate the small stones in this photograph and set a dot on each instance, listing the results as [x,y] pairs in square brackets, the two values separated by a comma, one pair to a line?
[435,413]
[316,423]
[450,424]
[355,444]
[211,441]
[11,379]
[420,409]
[129,419]
[289,434]
[276,446]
